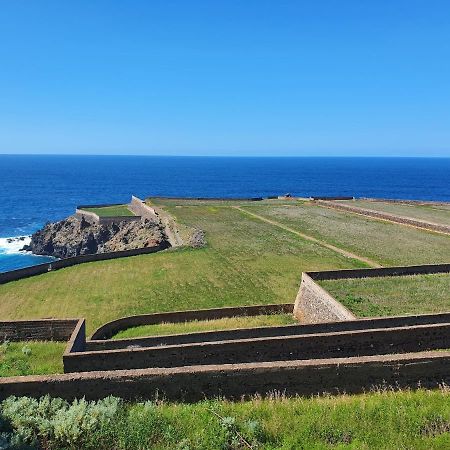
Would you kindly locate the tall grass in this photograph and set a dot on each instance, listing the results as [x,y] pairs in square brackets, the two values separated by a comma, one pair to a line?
[379,420]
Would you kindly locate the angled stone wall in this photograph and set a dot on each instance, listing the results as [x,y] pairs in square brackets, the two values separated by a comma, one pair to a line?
[314,304]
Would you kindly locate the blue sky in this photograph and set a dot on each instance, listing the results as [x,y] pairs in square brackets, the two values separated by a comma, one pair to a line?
[225,77]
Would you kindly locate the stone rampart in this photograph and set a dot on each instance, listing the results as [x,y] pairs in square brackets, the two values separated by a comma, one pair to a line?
[270,331]
[37,330]
[387,216]
[110,329]
[92,217]
[396,271]
[14,275]
[233,381]
[314,304]
[278,348]
[140,208]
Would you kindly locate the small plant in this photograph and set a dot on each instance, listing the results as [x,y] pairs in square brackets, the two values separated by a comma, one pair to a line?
[26,350]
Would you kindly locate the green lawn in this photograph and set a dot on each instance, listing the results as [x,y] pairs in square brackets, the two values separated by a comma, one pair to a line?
[207,325]
[246,262]
[429,213]
[25,358]
[111,211]
[393,295]
[385,420]
[386,243]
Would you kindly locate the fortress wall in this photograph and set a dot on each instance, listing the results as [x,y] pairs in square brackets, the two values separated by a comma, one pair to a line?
[406,202]
[379,272]
[337,375]
[95,218]
[314,304]
[77,339]
[37,330]
[220,199]
[87,215]
[270,331]
[26,272]
[332,198]
[138,207]
[279,348]
[387,216]
[18,274]
[110,329]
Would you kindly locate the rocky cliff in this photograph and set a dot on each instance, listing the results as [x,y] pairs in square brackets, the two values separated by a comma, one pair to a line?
[73,237]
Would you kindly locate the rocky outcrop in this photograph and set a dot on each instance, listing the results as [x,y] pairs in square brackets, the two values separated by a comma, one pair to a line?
[74,236]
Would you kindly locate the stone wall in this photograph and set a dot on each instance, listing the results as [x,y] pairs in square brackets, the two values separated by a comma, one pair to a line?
[336,375]
[390,217]
[14,275]
[270,331]
[37,330]
[314,304]
[138,207]
[395,271]
[95,218]
[111,328]
[277,348]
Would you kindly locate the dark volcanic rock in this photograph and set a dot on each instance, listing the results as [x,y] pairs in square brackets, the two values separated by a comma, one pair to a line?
[73,237]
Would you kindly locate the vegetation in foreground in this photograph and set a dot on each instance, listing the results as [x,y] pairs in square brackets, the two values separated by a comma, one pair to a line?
[381,420]
[110,211]
[25,358]
[387,296]
[263,320]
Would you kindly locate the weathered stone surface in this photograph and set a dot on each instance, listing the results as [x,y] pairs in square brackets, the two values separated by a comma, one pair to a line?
[74,236]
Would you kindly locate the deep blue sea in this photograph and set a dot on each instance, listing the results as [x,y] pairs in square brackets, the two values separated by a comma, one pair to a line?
[37,189]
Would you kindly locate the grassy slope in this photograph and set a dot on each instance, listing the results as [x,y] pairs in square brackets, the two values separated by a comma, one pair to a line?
[394,295]
[437,214]
[247,262]
[107,211]
[37,358]
[386,243]
[380,420]
[207,325]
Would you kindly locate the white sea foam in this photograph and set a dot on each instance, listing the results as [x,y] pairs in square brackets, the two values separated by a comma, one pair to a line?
[12,245]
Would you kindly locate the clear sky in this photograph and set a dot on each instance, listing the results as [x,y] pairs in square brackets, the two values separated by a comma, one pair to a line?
[225,77]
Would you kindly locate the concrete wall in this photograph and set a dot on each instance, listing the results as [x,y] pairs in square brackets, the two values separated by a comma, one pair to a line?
[18,274]
[111,328]
[194,383]
[37,330]
[390,217]
[314,304]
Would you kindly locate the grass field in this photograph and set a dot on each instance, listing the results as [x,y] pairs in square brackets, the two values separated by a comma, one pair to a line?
[24,358]
[380,420]
[246,262]
[386,243]
[111,211]
[207,325]
[429,213]
[393,295]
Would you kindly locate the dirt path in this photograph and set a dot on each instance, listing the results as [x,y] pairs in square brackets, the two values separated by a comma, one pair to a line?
[345,253]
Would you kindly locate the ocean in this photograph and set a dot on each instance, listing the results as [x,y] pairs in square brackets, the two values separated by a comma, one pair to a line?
[37,188]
